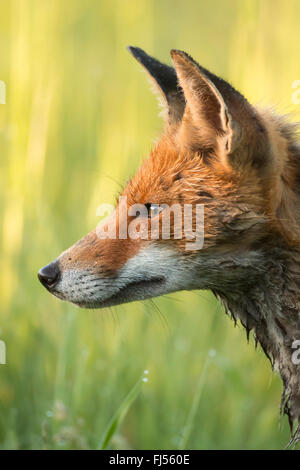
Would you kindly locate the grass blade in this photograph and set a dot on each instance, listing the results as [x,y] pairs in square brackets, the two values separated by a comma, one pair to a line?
[195,404]
[121,412]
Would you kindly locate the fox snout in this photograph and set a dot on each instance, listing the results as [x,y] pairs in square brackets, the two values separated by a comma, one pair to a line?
[49,275]
[103,273]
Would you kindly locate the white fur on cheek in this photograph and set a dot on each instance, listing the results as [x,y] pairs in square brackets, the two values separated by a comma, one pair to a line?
[157,261]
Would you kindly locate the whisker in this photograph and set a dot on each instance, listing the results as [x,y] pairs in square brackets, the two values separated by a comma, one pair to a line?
[160,315]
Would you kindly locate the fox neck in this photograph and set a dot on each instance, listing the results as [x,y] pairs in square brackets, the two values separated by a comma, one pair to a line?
[270,306]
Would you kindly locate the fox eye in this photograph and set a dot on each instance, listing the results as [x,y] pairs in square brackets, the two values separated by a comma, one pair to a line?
[205,194]
[153,209]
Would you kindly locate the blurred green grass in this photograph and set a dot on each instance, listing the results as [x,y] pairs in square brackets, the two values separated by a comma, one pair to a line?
[78,120]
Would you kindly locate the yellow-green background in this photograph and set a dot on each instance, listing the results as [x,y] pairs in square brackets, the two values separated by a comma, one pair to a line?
[78,120]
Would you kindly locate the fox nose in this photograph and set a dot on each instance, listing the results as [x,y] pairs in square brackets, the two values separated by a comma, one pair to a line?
[48,275]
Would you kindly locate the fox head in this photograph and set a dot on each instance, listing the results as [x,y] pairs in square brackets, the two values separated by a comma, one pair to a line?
[217,151]
[231,171]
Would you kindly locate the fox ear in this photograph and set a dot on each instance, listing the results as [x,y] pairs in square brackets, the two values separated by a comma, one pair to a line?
[165,78]
[207,122]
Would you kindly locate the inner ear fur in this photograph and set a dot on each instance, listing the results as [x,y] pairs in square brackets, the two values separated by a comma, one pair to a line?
[207,120]
[217,118]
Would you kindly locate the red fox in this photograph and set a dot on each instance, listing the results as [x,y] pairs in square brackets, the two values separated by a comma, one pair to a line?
[242,164]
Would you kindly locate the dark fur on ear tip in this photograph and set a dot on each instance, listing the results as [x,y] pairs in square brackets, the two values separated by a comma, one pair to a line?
[162,73]
[166,79]
[177,52]
[136,52]
[174,52]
